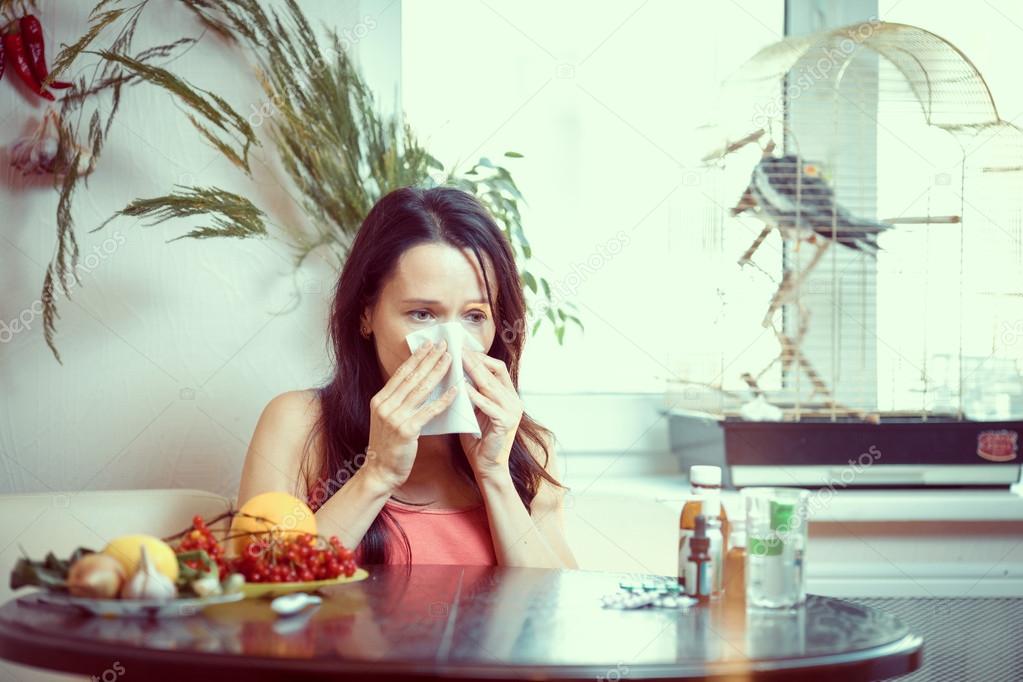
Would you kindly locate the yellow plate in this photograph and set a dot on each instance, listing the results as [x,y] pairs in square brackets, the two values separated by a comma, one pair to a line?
[253,590]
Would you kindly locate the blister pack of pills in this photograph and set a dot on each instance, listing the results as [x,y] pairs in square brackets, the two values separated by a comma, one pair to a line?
[655,592]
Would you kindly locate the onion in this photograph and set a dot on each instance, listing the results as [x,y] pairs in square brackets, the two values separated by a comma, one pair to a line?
[97,576]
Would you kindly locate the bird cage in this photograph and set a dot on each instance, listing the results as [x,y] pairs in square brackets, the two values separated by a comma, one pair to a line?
[868,197]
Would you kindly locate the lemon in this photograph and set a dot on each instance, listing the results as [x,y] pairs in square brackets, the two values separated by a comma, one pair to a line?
[282,513]
[127,549]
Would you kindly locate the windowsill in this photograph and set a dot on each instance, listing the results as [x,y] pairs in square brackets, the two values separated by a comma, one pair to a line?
[840,505]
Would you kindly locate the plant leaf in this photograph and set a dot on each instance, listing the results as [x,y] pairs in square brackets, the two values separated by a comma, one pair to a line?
[68,54]
[233,215]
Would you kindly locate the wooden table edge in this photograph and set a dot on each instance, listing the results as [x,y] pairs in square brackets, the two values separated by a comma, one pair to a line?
[91,658]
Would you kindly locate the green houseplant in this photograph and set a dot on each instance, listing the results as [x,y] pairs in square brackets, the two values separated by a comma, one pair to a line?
[339,152]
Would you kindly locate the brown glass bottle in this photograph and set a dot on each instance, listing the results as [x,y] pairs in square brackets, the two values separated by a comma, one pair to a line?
[735,569]
[703,480]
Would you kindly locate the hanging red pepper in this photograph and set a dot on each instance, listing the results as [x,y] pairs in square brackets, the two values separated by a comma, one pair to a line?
[16,52]
[35,50]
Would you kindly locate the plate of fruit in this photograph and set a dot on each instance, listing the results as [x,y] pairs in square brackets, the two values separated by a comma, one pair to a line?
[267,548]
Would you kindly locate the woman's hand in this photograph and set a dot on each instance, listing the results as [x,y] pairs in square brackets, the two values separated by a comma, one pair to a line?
[498,410]
[397,417]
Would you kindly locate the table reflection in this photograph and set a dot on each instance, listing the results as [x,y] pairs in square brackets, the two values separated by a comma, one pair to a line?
[484,615]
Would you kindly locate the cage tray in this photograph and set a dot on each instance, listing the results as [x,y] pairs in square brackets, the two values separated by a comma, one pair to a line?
[897,440]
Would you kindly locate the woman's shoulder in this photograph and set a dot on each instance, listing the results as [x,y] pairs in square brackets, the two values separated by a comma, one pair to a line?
[293,415]
[295,407]
[281,444]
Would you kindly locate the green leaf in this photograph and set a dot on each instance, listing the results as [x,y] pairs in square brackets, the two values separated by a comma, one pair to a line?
[232,215]
[68,54]
[50,573]
[513,155]
[432,162]
[207,105]
[530,280]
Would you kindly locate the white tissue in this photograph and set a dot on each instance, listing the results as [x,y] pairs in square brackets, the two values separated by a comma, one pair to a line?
[459,416]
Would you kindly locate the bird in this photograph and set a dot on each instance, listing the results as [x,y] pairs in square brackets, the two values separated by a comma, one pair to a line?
[791,194]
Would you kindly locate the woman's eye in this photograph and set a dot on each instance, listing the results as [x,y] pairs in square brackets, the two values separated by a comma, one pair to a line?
[476,316]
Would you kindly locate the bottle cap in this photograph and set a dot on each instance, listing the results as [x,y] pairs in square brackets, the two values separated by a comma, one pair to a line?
[704,474]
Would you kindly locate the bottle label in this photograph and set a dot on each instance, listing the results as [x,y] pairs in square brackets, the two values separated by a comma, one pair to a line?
[690,578]
[765,546]
[706,579]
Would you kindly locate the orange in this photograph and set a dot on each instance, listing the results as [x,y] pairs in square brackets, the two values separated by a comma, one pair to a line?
[283,513]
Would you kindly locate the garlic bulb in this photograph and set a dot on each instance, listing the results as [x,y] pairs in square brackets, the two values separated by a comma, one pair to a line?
[234,583]
[207,585]
[97,576]
[39,154]
[147,582]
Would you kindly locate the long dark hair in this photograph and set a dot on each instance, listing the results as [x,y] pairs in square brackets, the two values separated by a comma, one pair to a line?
[402,219]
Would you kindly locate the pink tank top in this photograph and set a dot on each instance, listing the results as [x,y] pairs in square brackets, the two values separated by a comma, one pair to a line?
[440,536]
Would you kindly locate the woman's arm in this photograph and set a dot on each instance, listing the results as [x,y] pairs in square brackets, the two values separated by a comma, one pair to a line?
[519,538]
[274,462]
[523,538]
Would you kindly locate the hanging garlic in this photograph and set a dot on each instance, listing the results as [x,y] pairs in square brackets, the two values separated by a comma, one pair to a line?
[147,582]
[40,152]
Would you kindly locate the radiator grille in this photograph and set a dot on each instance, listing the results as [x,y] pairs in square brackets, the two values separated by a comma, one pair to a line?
[964,639]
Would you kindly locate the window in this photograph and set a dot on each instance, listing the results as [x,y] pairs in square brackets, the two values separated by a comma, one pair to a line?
[605,101]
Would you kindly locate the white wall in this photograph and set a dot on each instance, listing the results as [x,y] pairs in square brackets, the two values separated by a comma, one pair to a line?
[170,350]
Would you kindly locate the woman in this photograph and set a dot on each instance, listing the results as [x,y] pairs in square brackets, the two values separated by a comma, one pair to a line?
[353,449]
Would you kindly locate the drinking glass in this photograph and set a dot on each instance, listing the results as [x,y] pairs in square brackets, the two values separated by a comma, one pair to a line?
[776,525]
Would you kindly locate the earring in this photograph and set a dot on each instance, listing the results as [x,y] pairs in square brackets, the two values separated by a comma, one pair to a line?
[365,333]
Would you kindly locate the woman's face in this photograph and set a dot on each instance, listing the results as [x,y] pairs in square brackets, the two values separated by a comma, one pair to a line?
[432,284]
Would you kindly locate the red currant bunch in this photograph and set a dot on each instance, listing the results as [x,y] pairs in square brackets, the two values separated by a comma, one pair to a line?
[200,537]
[296,558]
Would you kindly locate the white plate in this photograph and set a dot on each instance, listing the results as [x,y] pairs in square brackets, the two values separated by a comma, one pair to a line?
[137,608]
